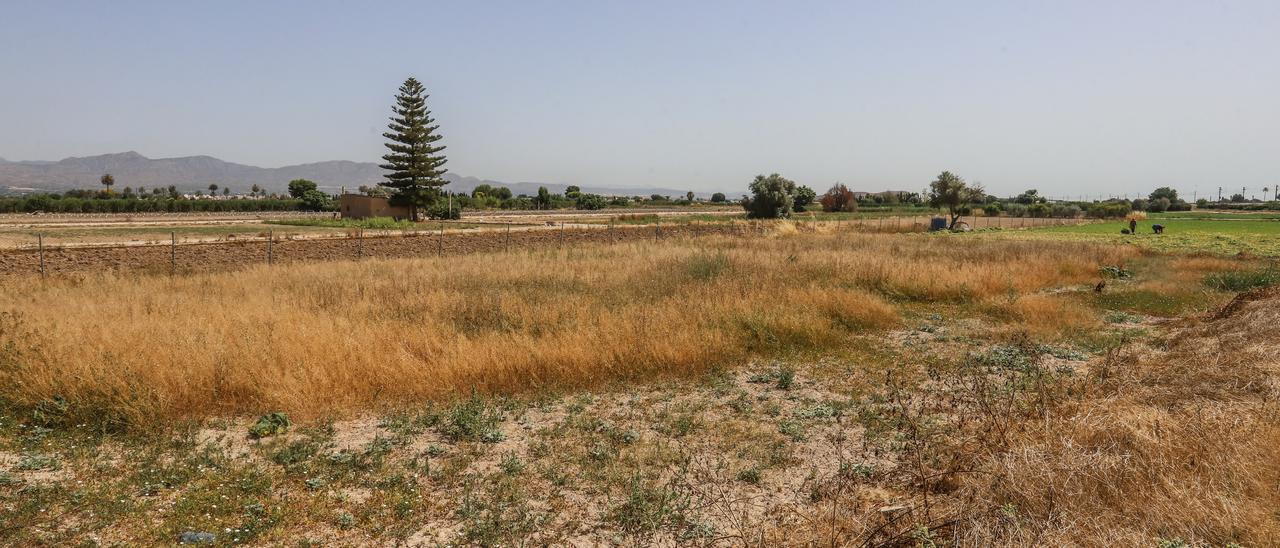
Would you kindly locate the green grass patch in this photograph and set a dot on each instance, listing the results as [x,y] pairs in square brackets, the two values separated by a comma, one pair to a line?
[1260,237]
[1242,280]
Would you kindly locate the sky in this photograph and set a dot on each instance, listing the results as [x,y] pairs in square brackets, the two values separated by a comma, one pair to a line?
[1069,97]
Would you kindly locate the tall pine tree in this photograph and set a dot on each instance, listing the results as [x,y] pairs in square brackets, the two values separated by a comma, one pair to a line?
[414,163]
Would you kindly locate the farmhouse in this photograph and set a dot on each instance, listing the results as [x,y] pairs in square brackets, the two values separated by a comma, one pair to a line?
[359,206]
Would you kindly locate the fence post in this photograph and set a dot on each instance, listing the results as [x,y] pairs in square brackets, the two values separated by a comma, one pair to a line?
[40,244]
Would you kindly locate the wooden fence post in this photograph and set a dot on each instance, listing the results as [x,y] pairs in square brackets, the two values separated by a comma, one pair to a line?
[40,244]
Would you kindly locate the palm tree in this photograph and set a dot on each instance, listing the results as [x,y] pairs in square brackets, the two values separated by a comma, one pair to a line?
[107,181]
[213,189]
[254,190]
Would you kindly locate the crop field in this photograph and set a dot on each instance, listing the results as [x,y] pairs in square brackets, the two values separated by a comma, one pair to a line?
[1235,235]
[780,383]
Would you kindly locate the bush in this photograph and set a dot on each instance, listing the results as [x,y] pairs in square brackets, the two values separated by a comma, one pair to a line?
[442,210]
[991,210]
[1016,210]
[591,202]
[1158,205]
[314,200]
[1038,210]
[718,198]
[1065,211]
[1109,210]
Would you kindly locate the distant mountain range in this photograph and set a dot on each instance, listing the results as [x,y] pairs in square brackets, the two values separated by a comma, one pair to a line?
[198,172]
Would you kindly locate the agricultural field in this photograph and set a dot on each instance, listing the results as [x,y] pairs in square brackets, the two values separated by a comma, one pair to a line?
[1223,234]
[769,384]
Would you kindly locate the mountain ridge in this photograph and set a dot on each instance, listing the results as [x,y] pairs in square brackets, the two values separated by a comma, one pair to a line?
[133,169]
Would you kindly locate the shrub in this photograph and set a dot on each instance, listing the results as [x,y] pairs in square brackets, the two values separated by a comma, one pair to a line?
[1065,211]
[591,202]
[991,210]
[1109,210]
[442,210]
[269,425]
[1038,210]
[1158,205]
[314,200]
[718,197]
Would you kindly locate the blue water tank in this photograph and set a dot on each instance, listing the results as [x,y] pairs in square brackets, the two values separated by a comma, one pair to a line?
[937,223]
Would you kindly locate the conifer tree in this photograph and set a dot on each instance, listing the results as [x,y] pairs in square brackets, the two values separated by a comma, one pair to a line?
[414,163]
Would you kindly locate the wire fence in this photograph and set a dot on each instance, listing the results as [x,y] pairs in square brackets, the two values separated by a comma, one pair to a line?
[176,252]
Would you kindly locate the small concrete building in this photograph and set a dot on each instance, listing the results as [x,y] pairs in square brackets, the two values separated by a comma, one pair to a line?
[359,206]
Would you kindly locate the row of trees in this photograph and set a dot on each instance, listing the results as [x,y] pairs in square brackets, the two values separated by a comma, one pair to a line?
[775,196]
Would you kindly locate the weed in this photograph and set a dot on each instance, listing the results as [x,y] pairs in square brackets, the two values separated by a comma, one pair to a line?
[471,419]
[1242,280]
[269,425]
[750,475]
[511,464]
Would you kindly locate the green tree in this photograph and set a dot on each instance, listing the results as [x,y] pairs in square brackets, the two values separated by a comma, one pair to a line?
[951,192]
[213,189]
[771,197]
[107,181]
[591,201]
[689,196]
[572,191]
[415,164]
[255,190]
[543,201]
[802,197]
[314,200]
[299,187]
[718,197]
[1164,192]
[1029,197]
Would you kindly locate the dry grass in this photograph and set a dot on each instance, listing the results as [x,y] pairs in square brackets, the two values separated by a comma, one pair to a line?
[326,339]
[1183,443]
[1171,442]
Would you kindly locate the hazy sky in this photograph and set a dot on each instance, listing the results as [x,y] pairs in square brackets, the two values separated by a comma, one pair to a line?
[1070,97]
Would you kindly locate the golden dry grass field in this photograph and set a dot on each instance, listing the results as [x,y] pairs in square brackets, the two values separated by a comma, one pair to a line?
[791,387]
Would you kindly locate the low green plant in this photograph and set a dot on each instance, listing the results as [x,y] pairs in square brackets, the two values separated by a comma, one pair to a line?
[1242,280]
[269,425]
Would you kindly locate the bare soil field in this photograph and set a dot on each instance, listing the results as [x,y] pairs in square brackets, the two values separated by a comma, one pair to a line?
[215,256]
